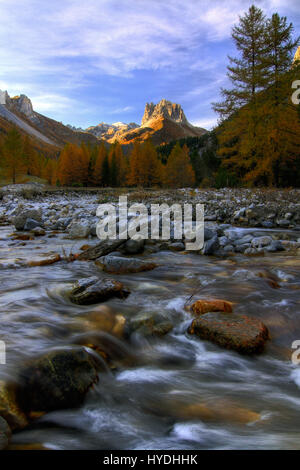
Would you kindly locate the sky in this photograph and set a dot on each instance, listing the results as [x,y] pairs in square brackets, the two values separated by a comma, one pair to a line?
[84,62]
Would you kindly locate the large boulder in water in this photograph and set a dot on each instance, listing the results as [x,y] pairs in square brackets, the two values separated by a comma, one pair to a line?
[92,290]
[57,380]
[238,332]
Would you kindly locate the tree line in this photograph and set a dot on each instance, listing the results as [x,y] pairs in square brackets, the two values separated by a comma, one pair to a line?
[98,165]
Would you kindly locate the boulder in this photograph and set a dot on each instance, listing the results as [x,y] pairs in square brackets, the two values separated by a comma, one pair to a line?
[21,217]
[122,265]
[259,242]
[31,224]
[211,246]
[238,332]
[79,231]
[57,380]
[93,290]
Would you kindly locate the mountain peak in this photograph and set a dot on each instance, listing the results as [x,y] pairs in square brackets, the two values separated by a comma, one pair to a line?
[297,55]
[166,109]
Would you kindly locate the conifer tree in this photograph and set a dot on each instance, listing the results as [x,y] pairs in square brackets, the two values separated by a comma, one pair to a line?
[179,171]
[12,155]
[246,72]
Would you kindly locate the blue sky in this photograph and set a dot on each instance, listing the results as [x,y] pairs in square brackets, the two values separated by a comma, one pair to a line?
[83,62]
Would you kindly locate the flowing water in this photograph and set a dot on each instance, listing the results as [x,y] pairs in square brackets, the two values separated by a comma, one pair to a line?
[182,393]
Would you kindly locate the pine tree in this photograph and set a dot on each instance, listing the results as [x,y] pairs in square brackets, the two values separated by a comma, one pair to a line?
[97,176]
[247,72]
[179,171]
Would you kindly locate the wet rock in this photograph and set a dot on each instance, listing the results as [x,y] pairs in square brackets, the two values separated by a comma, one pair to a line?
[283,223]
[149,324]
[242,248]
[9,407]
[259,242]
[211,246]
[79,231]
[21,217]
[57,380]
[267,224]
[208,234]
[31,224]
[133,247]
[121,265]
[245,239]
[177,246]
[203,306]
[103,319]
[223,240]
[275,245]
[229,248]
[38,231]
[44,261]
[5,434]
[93,290]
[238,332]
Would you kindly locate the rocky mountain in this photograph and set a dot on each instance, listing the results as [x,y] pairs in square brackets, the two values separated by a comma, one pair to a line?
[19,111]
[297,55]
[163,123]
[111,132]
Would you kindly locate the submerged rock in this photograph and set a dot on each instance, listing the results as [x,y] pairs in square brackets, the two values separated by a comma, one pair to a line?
[57,380]
[121,265]
[93,290]
[238,332]
[9,407]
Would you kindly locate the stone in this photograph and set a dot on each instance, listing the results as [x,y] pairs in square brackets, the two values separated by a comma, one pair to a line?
[93,290]
[133,247]
[259,242]
[122,265]
[9,408]
[56,380]
[211,246]
[38,231]
[44,261]
[283,223]
[79,231]
[243,240]
[31,224]
[177,246]
[203,306]
[275,245]
[21,217]
[243,334]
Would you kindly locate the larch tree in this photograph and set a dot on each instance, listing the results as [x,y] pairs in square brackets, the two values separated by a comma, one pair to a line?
[179,171]
[13,159]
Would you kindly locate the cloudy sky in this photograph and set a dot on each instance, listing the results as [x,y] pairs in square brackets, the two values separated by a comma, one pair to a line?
[83,62]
